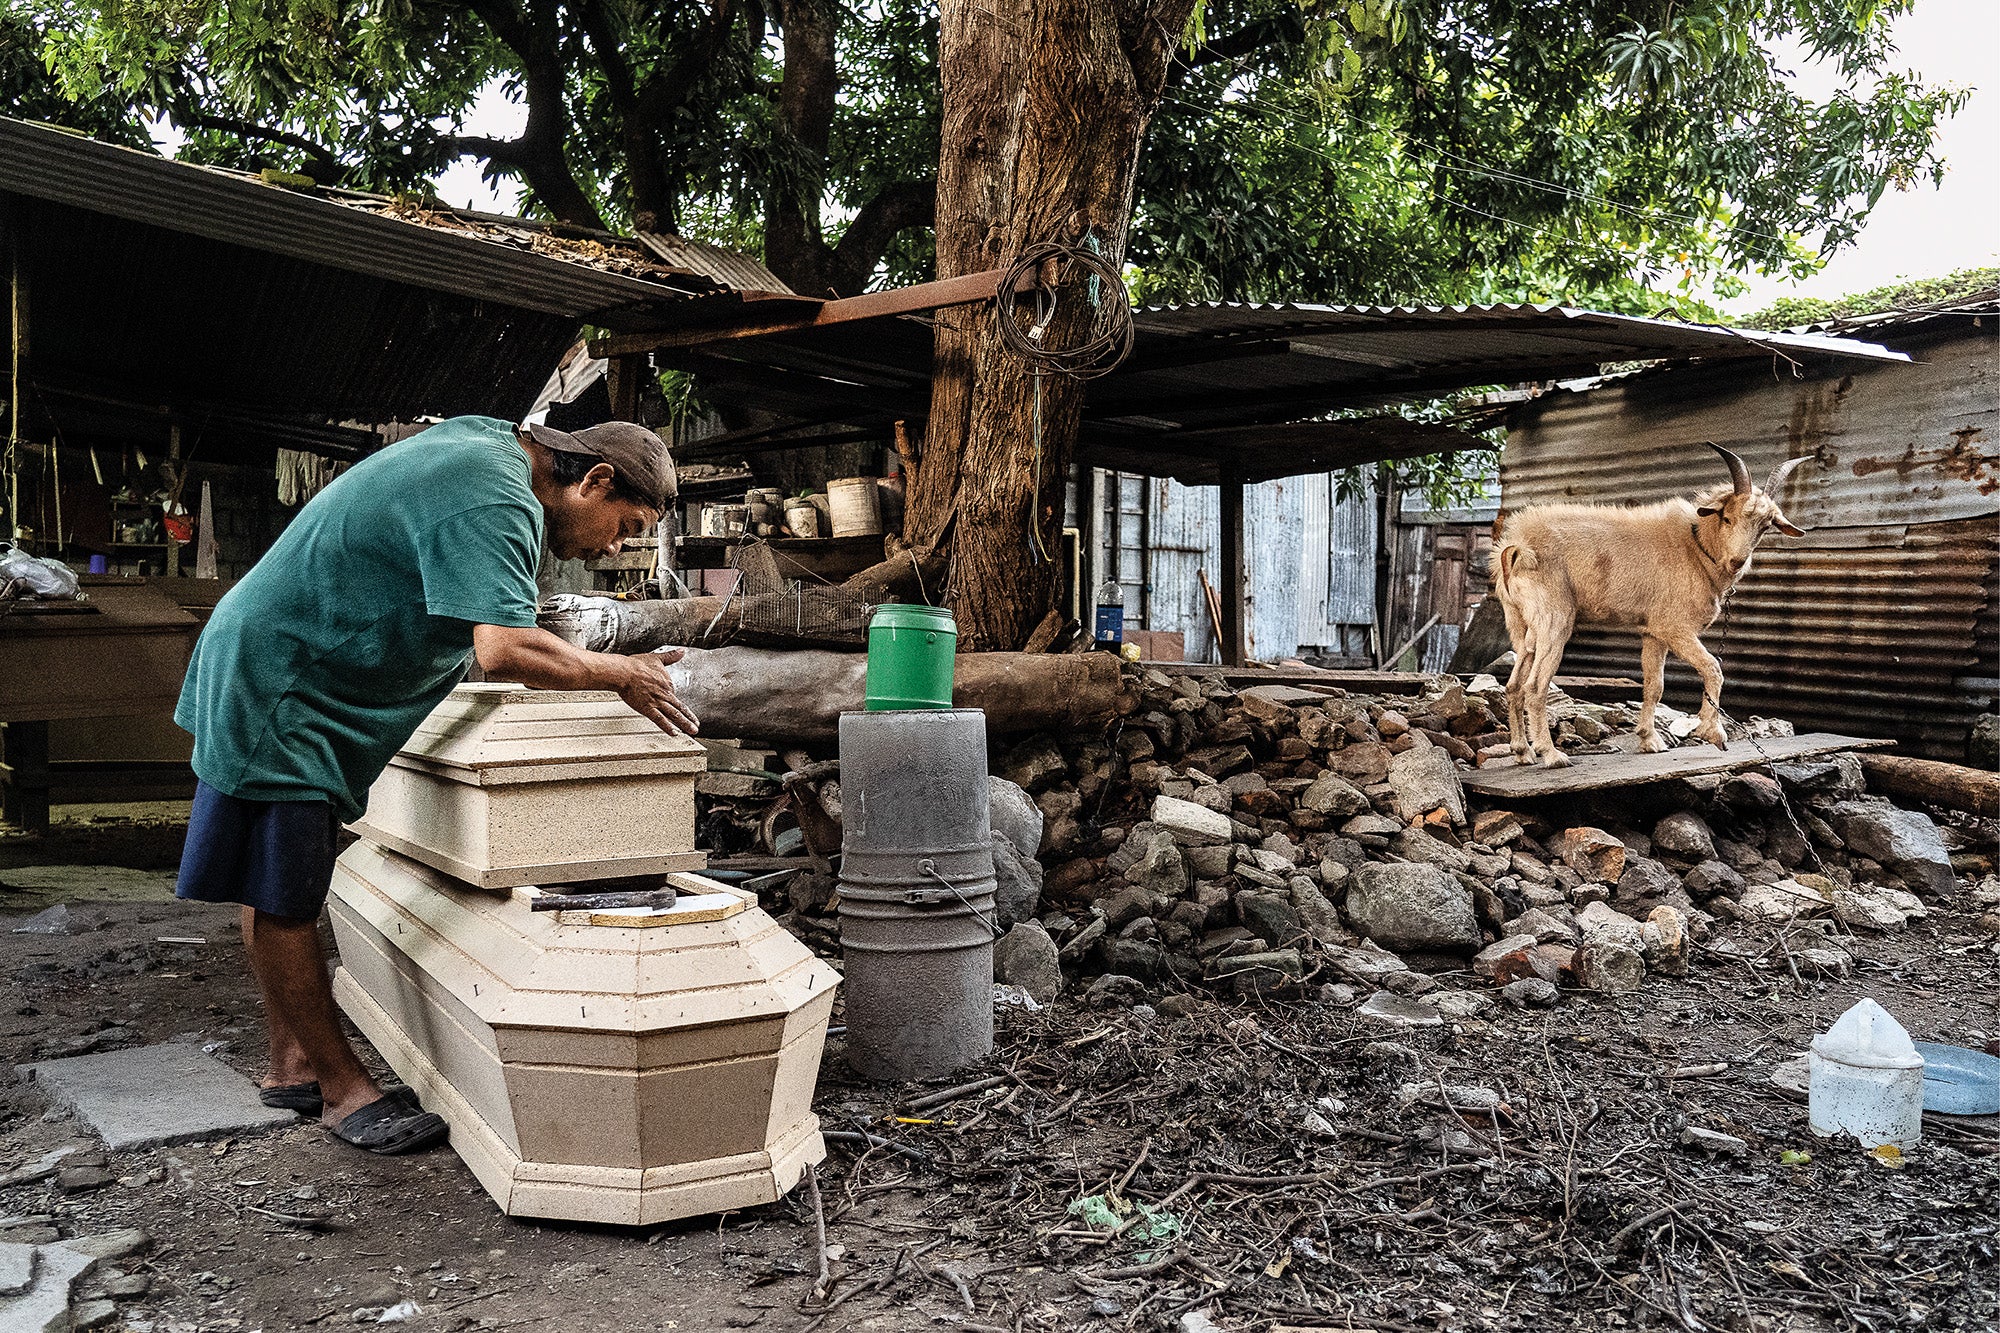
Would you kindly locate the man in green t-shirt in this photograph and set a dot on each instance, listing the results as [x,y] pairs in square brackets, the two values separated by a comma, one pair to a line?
[323,660]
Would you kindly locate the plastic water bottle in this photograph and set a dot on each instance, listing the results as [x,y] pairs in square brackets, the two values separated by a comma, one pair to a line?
[1110,627]
[1867,1079]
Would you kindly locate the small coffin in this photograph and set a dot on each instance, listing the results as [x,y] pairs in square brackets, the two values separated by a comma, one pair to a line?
[504,786]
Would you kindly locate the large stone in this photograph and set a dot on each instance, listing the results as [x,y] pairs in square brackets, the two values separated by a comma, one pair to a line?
[1601,922]
[1506,960]
[118,1094]
[1414,844]
[1684,834]
[1543,925]
[1270,916]
[1191,824]
[1713,879]
[1663,942]
[1835,776]
[1335,797]
[1014,815]
[1862,910]
[1158,865]
[17,1268]
[1592,853]
[1316,912]
[1371,826]
[1034,765]
[1496,828]
[1425,779]
[1362,762]
[1026,957]
[1412,906]
[1017,880]
[1609,967]
[1383,1009]
[45,1306]
[1905,842]
[1983,750]
[1647,882]
[1786,900]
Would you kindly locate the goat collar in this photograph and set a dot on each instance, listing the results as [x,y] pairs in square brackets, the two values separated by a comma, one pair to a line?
[1694,531]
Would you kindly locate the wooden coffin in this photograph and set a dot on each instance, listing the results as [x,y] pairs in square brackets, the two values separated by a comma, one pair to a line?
[630,1067]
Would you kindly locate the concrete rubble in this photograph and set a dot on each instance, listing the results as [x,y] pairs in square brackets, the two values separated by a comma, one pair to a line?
[1246,841]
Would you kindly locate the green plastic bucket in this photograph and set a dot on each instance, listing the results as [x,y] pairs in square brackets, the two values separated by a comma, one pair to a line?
[910,652]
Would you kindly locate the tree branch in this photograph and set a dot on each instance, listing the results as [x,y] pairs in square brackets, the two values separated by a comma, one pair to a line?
[867,238]
[326,167]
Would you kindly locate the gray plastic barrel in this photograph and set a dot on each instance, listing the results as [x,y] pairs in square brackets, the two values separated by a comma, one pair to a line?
[916,891]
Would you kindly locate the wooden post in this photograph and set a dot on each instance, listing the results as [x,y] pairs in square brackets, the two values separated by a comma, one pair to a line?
[622,379]
[1235,621]
[17,360]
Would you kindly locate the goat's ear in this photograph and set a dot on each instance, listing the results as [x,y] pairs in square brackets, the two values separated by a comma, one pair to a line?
[1707,511]
[1786,526]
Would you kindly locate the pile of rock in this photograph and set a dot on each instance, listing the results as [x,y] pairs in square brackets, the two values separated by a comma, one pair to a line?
[1269,841]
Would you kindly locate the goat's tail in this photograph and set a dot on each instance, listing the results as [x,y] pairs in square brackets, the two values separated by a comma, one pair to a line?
[1510,558]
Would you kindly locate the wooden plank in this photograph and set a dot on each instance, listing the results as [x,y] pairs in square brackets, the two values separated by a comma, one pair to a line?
[1600,772]
[967,289]
[1614,688]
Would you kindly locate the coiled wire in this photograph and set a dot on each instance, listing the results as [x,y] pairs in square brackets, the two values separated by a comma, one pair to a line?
[1109,339]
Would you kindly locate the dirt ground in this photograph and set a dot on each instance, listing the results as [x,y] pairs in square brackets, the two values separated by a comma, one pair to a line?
[1299,1174]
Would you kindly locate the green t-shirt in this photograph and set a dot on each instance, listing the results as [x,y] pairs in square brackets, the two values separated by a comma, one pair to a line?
[322,662]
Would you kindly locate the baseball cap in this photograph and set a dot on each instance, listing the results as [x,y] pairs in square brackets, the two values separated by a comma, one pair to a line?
[638,456]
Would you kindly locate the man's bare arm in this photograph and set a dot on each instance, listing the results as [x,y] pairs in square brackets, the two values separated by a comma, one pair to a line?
[538,658]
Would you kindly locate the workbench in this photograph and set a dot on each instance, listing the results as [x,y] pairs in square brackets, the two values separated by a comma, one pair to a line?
[120,653]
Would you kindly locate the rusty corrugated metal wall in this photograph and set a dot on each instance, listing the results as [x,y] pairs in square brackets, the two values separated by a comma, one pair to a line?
[1881,620]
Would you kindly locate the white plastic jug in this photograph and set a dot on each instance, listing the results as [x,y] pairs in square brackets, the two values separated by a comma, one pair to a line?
[1867,1080]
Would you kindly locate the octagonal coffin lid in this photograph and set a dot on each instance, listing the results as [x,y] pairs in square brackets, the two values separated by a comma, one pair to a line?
[493,732]
[517,968]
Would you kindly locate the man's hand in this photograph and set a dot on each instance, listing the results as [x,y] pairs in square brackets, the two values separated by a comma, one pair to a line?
[650,691]
[537,657]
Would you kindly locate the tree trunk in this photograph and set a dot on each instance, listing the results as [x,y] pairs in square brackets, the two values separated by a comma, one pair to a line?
[1953,786]
[1045,107]
[796,697]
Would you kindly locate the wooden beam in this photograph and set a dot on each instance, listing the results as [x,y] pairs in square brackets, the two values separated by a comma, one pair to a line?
[622,379]
[1235,619]
[1601,772]
[969,289]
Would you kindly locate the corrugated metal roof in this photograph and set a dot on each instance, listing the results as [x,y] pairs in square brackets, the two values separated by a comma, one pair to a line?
[356,234]
[1871,622]
[725,266]
[1215,366]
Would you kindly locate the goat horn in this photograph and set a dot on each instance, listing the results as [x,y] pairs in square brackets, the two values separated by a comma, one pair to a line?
[1782,471]
[1738,473]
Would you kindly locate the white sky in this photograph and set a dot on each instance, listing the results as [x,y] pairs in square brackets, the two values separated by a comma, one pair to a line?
[1926,232]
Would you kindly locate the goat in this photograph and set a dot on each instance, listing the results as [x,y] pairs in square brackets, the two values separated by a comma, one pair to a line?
[1663,569]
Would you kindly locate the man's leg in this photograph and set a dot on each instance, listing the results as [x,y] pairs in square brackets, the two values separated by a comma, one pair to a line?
[298,1004]
[288,1064]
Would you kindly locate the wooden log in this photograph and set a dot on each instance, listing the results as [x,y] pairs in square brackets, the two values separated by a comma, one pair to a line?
[1953,786]
[796,697]
[606,625]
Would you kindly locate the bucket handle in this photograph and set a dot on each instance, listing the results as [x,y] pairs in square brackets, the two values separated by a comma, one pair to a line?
[929,867]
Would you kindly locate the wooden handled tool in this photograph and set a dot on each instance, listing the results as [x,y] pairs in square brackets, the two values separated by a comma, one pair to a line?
[601,902]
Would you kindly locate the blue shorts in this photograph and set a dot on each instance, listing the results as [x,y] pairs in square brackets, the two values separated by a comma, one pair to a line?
[275,856]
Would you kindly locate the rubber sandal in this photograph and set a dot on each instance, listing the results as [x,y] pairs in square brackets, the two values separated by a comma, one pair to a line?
[300,1097]
[304,1098]
[389,1126]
